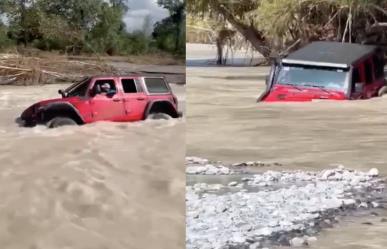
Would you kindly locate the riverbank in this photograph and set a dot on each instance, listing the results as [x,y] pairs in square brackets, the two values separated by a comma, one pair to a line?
[49,68]
[275,208]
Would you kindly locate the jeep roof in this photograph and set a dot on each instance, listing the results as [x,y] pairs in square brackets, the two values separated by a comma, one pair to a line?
[329,54]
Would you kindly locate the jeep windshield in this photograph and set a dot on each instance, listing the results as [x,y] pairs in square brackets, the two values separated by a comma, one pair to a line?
[308,76]
[78,89]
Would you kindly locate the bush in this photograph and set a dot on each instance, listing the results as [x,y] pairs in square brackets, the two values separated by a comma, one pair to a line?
[5,42]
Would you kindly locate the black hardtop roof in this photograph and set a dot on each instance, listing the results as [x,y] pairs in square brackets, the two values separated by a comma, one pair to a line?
[331,54]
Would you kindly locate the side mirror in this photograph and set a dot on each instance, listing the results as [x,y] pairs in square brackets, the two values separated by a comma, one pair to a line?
[359,87]
[61,92]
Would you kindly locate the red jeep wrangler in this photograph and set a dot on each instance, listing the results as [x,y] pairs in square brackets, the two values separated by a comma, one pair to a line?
[110,98]
[327,70]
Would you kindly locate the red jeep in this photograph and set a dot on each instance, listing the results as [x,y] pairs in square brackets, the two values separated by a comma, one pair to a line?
[327,70]
[110,98]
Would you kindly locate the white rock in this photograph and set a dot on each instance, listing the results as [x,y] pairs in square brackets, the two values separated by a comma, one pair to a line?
[238,238]
[255,245]
[210,169]
[264,231]
[196,160]
[224,171]
[311,239]
[298,242]
[349,202]
[191,170]
[327,173]
[373,172]
[375,204]
[240,185]
[232,184]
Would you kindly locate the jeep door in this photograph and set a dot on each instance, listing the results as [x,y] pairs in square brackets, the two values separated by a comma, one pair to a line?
[357,82]
[106,105]
[371,74]
[134,99]
[371,87]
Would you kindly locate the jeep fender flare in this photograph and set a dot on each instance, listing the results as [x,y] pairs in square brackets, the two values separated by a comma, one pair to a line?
[52,110]
[165,105]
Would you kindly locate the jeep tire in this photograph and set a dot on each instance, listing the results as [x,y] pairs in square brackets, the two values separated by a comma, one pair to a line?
[60,121]
[382,91]
[159,115]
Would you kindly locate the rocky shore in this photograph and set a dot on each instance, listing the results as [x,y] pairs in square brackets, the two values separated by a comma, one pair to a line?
[202,166]
[286,208]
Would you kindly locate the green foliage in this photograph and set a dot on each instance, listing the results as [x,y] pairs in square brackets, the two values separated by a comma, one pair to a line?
[170,32]
[4,40]
[89,26]
[284,24]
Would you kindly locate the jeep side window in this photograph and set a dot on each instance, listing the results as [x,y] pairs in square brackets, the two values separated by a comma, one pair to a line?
[105,85]
[379,66]
[156,85]
[368,71]
[355,77]
[129,85]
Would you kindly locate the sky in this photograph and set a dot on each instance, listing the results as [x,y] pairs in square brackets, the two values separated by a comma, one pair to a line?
[139,10]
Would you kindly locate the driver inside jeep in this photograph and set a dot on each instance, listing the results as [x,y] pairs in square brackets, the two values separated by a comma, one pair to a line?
[105,88]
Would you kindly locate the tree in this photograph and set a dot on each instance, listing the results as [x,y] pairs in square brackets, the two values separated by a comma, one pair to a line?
[237,13]
[91,26]
[277,26]
[176,10]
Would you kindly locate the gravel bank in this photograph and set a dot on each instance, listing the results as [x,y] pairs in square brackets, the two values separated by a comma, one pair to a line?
[202,166]
[285,208]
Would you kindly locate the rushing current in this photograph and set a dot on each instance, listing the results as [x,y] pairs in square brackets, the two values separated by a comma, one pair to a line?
[102,185]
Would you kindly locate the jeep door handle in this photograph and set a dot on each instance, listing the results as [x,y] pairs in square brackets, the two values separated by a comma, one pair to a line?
[116,100]
[140,98]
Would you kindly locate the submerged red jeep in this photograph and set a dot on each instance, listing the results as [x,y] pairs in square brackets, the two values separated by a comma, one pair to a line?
[327,70]
[108,98]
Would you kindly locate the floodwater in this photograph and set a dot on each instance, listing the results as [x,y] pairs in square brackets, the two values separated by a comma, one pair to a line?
[103,185]
[225,123]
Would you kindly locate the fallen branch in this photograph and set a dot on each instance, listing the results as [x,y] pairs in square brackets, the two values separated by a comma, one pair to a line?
[16,68]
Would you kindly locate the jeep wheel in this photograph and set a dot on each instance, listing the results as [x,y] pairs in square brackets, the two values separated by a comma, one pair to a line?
[382,91]
[159,115]
[60,121]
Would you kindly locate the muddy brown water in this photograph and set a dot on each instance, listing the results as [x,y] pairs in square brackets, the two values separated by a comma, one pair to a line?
[225,123]
[103,185]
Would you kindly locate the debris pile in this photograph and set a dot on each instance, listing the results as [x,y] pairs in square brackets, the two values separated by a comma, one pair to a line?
[16,69]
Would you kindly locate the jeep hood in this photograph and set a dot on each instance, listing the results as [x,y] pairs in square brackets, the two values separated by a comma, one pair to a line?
[32,110]
[299,93]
